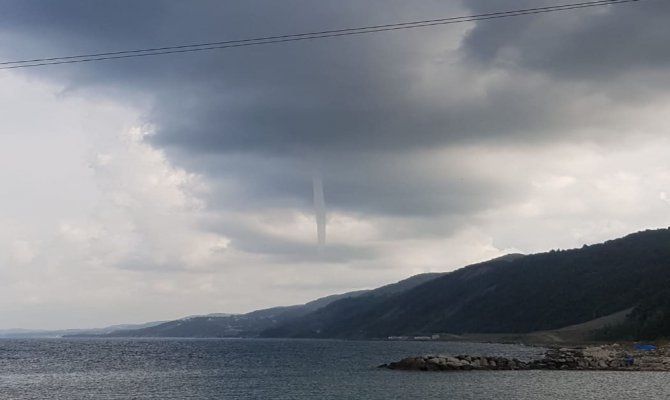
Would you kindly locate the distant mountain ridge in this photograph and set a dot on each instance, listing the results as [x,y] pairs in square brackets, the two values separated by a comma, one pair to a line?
[253,323]
[511,294]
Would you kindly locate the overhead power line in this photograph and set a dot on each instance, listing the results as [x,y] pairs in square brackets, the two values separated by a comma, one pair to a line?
[39,62]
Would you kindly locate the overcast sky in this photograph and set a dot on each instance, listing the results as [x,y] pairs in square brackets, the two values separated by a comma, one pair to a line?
[159,187]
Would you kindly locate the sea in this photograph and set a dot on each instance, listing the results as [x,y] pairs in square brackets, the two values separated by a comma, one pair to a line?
[287,369]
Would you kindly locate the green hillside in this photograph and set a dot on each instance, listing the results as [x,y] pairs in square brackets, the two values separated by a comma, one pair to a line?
[516,295]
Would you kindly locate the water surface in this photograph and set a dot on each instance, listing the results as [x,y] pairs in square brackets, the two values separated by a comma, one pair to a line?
[287,369]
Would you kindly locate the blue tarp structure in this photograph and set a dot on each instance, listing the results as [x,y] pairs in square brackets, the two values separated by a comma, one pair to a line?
[645,347]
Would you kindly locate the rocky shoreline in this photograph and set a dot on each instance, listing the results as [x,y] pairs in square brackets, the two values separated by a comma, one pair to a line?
[593,358]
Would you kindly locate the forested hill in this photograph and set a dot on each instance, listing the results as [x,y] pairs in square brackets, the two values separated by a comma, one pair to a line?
[523,294]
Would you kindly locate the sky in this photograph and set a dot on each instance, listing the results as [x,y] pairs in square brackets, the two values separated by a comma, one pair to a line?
[158,187]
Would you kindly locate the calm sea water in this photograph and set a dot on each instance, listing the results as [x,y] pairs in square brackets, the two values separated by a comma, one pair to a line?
[287,369]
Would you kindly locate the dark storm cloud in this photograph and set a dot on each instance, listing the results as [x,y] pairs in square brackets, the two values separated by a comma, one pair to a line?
[585,44]
[342,95]
[293,252]
[417,184]
[258,120]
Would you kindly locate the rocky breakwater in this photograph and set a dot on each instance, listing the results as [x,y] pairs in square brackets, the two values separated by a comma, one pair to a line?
[595,358]
[457,363]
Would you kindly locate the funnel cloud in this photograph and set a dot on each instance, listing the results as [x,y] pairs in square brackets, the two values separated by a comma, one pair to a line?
[319,210]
